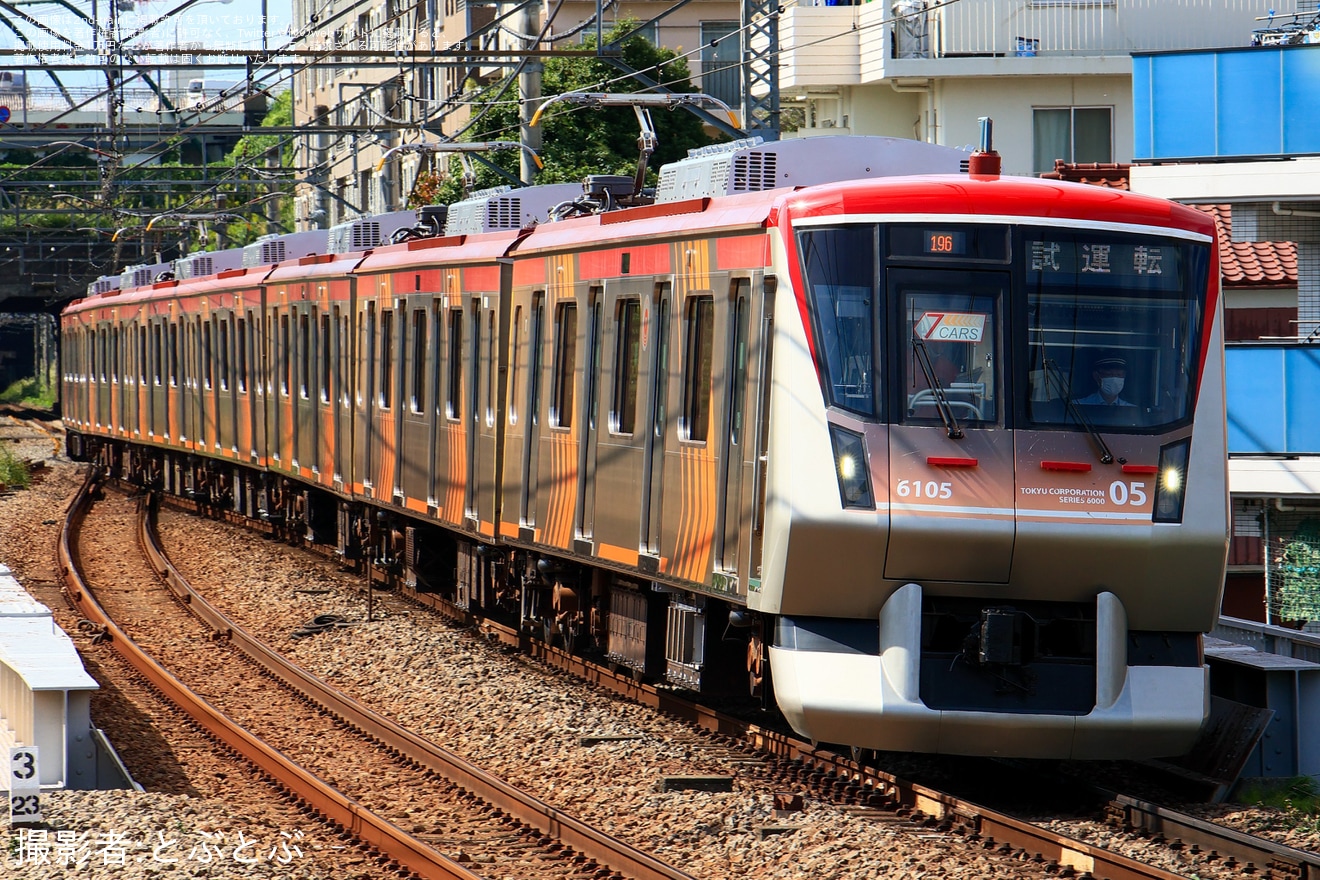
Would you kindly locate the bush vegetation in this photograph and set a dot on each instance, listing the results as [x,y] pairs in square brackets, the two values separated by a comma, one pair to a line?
[29,392]
[14,472]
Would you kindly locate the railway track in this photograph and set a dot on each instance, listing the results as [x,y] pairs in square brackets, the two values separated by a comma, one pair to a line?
[489,823]
[785,764]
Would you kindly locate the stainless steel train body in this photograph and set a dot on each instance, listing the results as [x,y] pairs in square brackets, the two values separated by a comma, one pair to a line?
[834,441]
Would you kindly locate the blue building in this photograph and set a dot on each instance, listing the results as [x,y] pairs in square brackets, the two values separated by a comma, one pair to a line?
[1238,128]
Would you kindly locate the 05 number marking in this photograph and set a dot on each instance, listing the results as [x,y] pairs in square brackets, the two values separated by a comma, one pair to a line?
[928,489]
[1132,494]
[25,805]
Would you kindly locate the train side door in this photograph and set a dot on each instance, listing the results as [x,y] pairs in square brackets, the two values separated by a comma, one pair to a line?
[471,409]
[414,425]
[658,424]
[532,417]
[365,395]
[620,447]
[733,457]
[341,393]
[381,460]
[758,434]
[484,476]
[951,466]
[585,526]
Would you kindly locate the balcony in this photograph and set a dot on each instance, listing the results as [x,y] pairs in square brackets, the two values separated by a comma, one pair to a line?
[855,45]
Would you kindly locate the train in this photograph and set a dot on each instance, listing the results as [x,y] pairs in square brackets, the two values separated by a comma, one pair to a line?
[929,458]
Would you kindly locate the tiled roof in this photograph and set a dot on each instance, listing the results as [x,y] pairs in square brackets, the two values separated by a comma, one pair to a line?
[1242,264]
[1111,174]
[1251,263]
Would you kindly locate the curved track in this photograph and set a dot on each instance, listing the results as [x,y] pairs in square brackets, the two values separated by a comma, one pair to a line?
[575,845]
[838,778]
[796,765]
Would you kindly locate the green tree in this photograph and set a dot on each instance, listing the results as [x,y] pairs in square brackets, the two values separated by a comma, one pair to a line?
[580,141]
[250,158]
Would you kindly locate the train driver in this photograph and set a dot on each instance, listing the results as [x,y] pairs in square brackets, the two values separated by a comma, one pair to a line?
[1108,371]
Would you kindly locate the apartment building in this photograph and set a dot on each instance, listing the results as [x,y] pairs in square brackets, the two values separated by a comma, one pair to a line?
[1055,75]
[411,79]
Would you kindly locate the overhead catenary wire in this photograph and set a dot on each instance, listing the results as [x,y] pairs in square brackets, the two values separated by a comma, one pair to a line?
[270,76]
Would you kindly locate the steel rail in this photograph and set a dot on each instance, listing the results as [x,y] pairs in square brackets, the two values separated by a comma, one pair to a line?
[830,773]
[1230,845]
[606,850]
[386,838]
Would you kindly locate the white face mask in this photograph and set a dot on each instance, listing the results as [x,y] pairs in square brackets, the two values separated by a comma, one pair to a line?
[1111,385]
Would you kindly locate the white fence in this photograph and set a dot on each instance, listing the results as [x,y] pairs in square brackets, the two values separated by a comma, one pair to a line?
[1094,27]
[45,694]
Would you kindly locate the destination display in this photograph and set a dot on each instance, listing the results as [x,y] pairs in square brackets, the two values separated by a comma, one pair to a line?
[1122,264]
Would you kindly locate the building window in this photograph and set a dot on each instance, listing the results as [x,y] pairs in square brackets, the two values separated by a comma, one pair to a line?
[721,56]
[1073,134]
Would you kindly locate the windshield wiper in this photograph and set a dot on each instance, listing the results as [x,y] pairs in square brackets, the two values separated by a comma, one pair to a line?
[941,399]
[1052,372]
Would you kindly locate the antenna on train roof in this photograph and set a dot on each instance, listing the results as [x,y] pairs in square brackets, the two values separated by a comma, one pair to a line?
[462,149]
[641,102]
[985,161]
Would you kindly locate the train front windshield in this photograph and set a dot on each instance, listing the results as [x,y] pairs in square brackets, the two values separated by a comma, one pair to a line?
[1099,327]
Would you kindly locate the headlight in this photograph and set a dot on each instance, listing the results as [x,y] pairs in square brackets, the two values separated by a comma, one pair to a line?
[1171,482]
[851,467]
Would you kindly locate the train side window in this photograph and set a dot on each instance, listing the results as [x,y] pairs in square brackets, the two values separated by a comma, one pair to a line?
[114,354]
[264,378]
[659,414]
[840,269]
[367,341]
[455,390]
[304,356]
[627,364]
[386,357]
[491,354]
[561,391]
[341,376]
[174,356]
[697,357]
[399,365]
[208,356]
[284,361]
[157,368]
[240,355]
[323,344]
[517,362]
[419,361]
[738,391]
[142,354]
[437,362]
[224,353]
